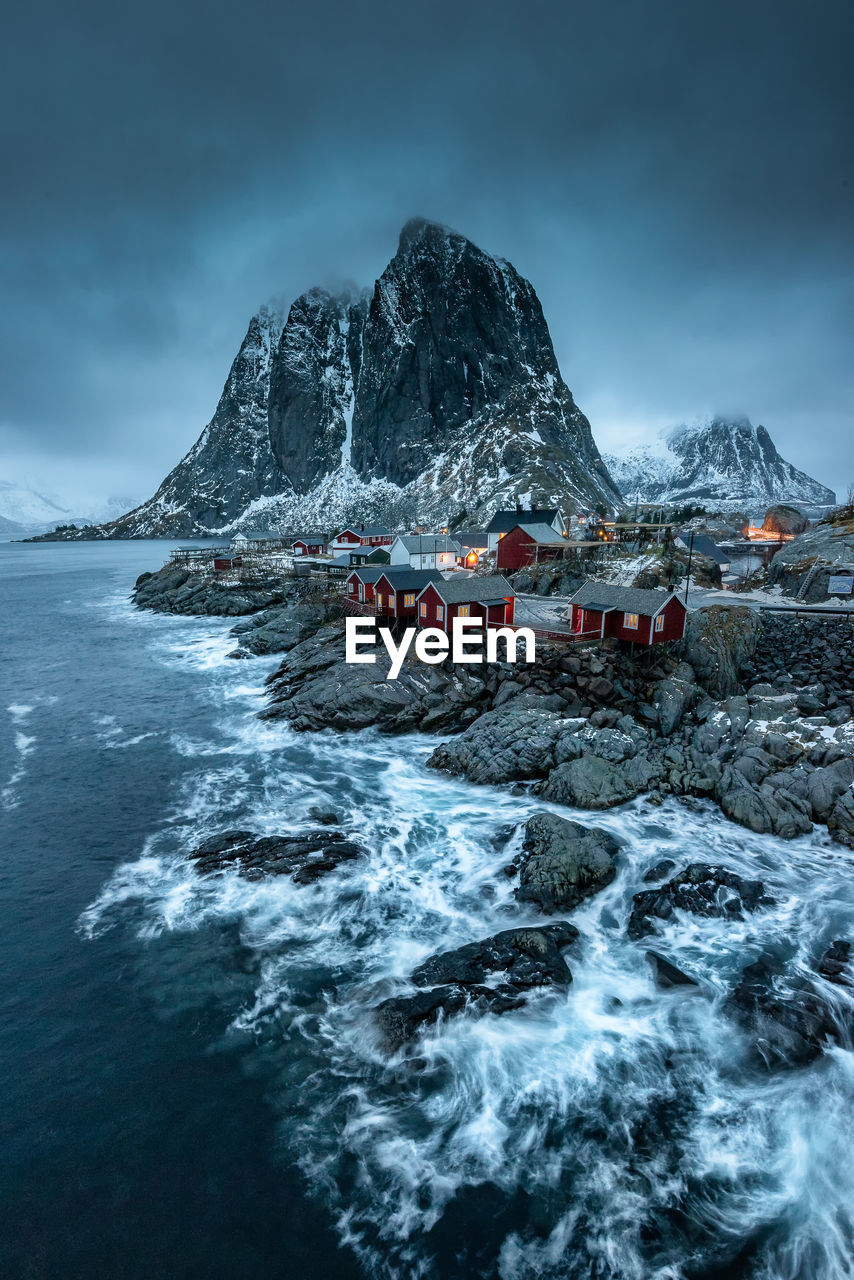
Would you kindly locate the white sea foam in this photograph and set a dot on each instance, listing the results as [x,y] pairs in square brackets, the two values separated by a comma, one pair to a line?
[624,1127]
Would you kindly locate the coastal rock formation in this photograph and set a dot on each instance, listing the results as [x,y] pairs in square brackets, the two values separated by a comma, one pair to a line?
[304,857]
[802,569]
[563,862]
[435,393]
[179,591]
[784,519]
[717,462]
[700,889]
[459,980]
[792,1015]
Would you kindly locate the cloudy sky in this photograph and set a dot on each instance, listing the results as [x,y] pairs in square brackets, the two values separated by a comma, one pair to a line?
[675,178]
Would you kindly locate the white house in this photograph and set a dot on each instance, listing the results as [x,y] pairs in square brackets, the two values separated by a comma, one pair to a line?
[426,551]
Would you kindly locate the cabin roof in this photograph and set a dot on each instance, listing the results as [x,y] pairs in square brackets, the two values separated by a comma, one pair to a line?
[428,543]
[492,589]
[543,534]
[259,535]
[706,547]
[603,596]
[367,572]
[365,530]
[308,537]
[504,521]
[472,538]
[403,577]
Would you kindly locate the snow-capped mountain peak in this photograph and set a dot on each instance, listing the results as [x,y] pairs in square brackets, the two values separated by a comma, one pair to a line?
[435,392]
[719,461]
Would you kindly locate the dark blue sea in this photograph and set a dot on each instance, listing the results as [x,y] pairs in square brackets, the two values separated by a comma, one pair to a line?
[192,1084]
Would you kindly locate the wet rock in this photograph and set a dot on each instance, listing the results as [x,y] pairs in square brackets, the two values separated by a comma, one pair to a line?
[666,973]
[564,862]
[305,857]
[659,871]
[786,1013]
[841,821]
[327,817]
[528,958]
[702,889]
[400,1018]
[593,783]
[834,964]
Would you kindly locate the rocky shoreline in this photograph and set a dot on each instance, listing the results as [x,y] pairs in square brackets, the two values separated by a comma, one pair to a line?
[752,713]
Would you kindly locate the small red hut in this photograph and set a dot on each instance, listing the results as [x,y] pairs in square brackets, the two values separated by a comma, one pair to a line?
[600,609]
[528,544]
[396,590]
[491,599]
[361,583]
[309,544]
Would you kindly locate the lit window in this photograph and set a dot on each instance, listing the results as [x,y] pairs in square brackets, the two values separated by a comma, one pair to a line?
[630,621]
[440,613]
[463,611]
[409,600]
[423,611]
[659,622]
[379,599]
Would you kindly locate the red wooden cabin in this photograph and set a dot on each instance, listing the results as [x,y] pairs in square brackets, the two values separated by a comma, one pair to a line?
[491,599]
[600,609]
[528,544]
[396,590]
[310,545]
[226,564]
[361,583]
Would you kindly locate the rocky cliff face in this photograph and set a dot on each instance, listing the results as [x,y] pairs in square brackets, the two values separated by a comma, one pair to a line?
[231,464]
[719,462]
[438,393]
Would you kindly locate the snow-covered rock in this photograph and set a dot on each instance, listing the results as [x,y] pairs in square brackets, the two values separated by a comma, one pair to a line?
[718,461]
[434,395]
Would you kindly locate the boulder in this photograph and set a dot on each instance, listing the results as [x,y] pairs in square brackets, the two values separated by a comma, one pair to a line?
[528,958]
[304,857]
[458,981]
[787,1013]
[564,862]
[400,1018]
[593,783]
[666,974]
[783,519]
[702,889]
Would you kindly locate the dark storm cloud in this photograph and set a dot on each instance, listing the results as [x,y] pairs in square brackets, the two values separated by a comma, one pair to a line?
[674,178]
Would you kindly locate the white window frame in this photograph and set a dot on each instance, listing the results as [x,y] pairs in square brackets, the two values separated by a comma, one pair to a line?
[463,610]
[422,610]
[659,622]
[409,599]
[440,613]
[631,621]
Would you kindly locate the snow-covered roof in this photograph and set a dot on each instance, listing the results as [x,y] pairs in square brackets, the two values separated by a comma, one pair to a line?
[606,595]
[504,521]
[428,543]
[482,589]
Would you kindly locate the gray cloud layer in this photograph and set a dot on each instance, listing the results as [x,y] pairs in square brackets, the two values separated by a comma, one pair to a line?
[676,180]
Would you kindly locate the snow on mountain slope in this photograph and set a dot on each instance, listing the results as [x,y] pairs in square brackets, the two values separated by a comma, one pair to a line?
[717,461]
[436,392]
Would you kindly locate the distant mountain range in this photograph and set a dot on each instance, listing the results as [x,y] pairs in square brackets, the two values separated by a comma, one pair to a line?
[719,462]
[25,511]
[435,394]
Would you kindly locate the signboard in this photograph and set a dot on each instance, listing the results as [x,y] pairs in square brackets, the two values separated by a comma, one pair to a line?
[840,584]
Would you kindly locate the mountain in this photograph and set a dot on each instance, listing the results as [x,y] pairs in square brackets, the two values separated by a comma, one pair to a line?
[721,462]
[436,393]
[24,510]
